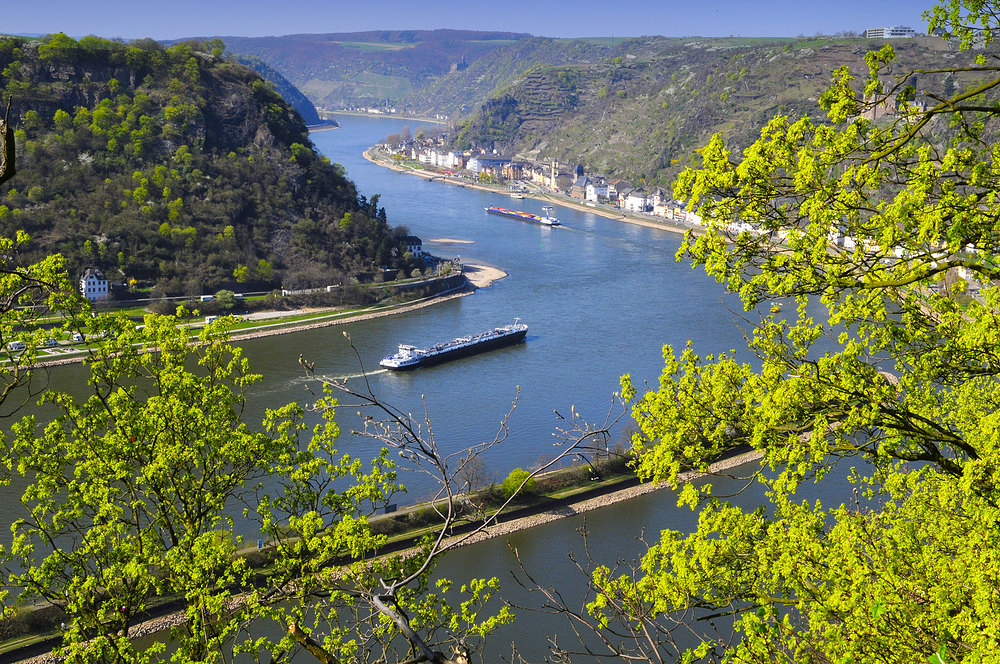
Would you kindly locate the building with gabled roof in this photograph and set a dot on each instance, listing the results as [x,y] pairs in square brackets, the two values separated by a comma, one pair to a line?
[94,285]
[635,201]
[597,189]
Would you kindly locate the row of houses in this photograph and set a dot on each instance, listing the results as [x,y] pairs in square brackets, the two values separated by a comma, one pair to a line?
[556,177]
[599,189]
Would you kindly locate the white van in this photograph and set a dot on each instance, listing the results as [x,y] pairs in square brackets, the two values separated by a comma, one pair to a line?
[210,319]
[15,346]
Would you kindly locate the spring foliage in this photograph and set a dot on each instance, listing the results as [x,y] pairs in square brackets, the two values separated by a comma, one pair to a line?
[142,491]
[886,226]
[176,167]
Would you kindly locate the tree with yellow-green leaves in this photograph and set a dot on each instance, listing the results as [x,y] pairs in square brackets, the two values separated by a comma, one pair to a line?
[891,226]
[131,494]
[139,493]
[154,487]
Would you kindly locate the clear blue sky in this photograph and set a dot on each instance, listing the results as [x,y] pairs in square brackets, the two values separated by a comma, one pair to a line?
[170,19]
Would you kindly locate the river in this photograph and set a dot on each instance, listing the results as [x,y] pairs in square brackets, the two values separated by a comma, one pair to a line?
[600,297]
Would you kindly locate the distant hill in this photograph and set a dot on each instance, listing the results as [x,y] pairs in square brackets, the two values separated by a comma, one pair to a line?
[177,168]
[643,113]
[339,70]
[461,91]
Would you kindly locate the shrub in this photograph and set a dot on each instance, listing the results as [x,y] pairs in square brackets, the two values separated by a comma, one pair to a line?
[514,480]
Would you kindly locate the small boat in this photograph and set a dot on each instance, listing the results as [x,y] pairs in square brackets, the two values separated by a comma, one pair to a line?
[517,195]
[411,357]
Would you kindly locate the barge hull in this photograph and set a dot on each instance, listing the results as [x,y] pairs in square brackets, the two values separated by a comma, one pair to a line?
[464,351]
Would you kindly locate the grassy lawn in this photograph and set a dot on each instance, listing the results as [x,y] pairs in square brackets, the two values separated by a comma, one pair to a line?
[66,347]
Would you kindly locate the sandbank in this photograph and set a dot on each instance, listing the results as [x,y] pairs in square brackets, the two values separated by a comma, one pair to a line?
[449,240]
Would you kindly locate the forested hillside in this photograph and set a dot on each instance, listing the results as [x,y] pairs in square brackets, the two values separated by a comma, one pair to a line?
[644,113]
[176,168]
[367,68]
[463,90]
[283,87]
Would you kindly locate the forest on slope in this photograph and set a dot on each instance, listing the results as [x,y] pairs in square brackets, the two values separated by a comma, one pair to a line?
[636,108]
[283,87]
[339,70]
[176,168]
[643,113]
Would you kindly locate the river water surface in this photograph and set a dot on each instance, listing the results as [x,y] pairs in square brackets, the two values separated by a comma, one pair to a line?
[600,298]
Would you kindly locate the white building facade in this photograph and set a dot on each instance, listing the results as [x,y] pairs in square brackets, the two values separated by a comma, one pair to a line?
[94,285]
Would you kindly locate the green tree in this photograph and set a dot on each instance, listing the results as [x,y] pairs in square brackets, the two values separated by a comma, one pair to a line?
[264,270]
[131,493]
[27,293]
[62,121]
[58,47]
[226,299]
[898,378]
[516,481]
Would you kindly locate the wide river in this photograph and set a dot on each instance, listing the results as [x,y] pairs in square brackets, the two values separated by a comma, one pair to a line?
[600,297]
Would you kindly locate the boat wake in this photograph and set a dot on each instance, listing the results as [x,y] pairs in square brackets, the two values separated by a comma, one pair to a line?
[305,382]
[360,374]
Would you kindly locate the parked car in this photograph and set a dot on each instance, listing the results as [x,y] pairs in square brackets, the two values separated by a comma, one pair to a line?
[15,346]
[77,337]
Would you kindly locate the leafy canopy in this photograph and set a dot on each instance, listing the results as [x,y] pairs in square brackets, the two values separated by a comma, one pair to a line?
[889,227]
[134,493]
[143,492]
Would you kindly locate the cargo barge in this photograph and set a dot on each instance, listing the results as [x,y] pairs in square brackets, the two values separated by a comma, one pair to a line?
[547,220]
[411,357]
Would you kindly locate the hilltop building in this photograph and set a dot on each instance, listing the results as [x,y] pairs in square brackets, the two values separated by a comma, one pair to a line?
[890,32]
